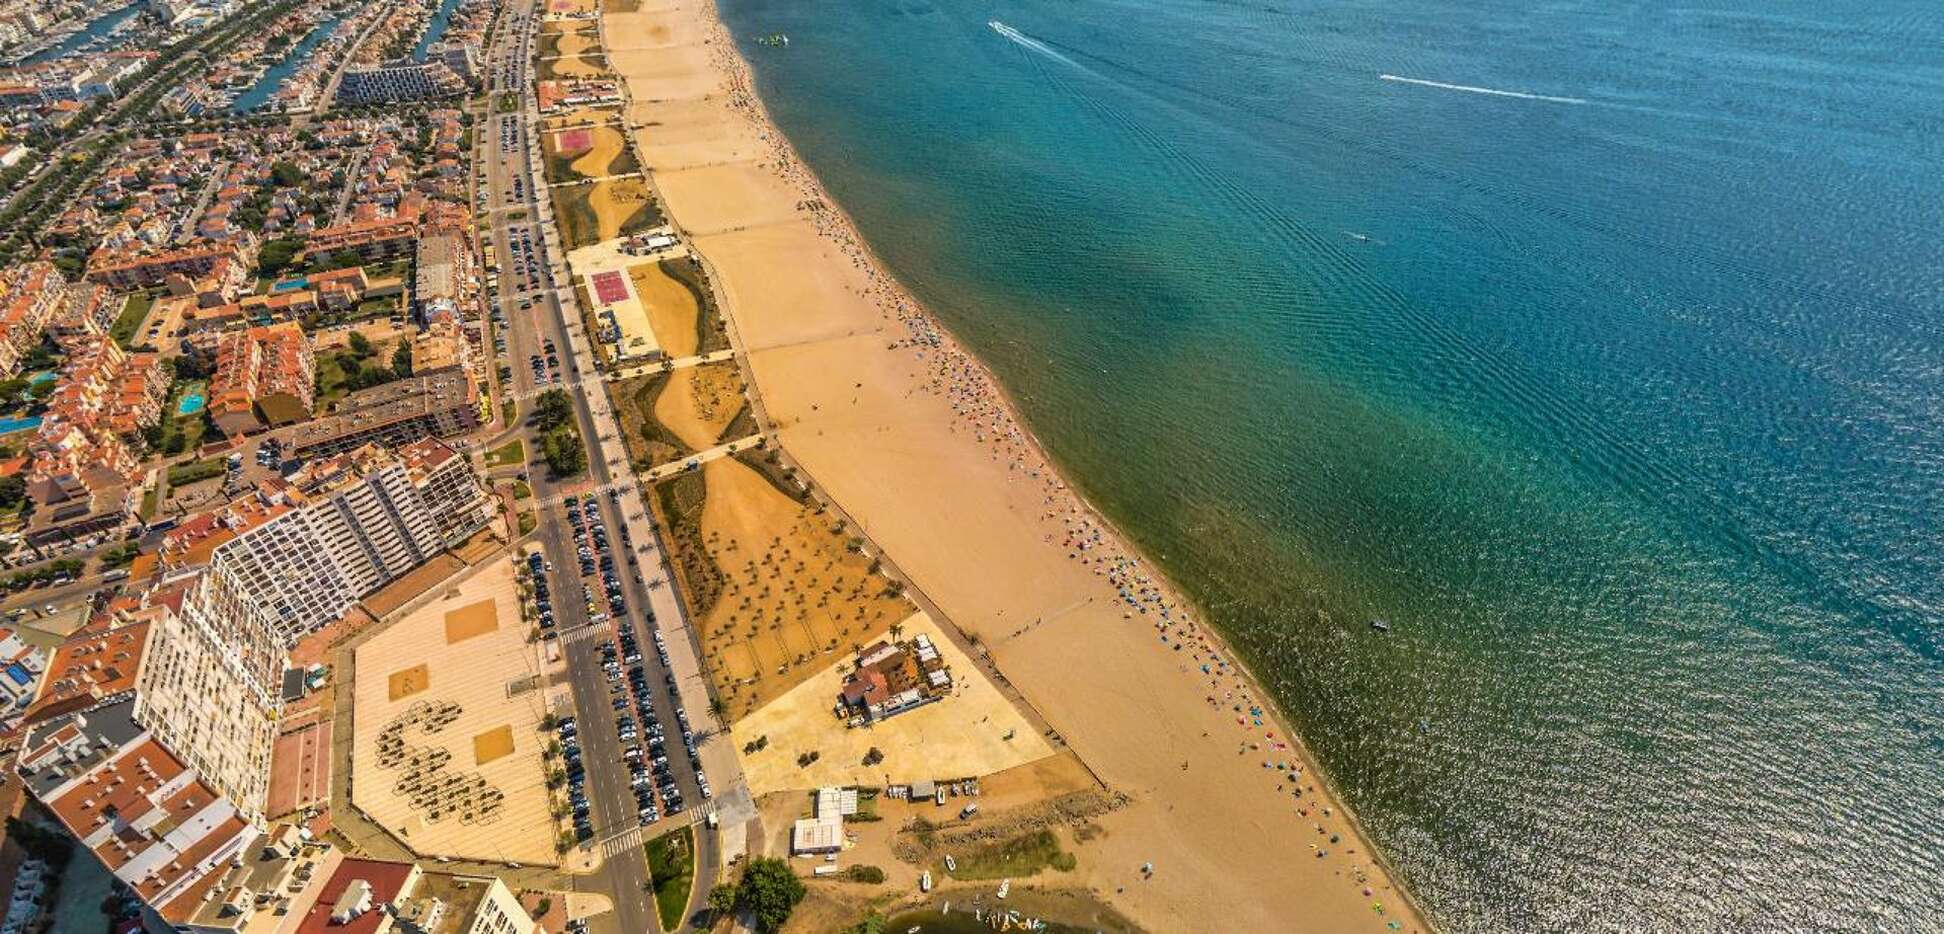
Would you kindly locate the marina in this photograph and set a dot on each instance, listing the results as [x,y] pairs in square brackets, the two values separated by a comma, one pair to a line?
[300,58]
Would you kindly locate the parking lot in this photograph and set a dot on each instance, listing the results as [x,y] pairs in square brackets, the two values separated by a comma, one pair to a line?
[641,700]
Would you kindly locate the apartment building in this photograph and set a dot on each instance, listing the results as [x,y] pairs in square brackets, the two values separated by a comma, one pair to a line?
[150,817]
[20,673]
[264,376]
[446,481]
[84,479]
[433,405]
[443,266]
[131,270]
[306,550]
[88,310]
[31,295]
[105,387]
[406,81]
[205,684]
[372,240]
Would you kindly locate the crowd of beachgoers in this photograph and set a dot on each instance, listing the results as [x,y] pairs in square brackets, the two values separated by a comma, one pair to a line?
[981,408]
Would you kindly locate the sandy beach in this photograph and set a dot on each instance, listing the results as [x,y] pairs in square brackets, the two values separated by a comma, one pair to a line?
[912,437]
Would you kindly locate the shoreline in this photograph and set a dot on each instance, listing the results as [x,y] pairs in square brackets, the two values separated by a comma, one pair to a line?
[1095,539]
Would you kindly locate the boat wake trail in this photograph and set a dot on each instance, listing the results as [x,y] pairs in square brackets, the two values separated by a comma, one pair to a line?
[1470,89]
[1032,43]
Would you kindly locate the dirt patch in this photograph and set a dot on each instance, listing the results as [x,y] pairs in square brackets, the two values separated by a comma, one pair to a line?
[672,308]
[407,682]
[996,841]
[700,402]
[573,67]
[778,585]
[466,622]
[596,211]
[493,744]
[607,153]
[393,596]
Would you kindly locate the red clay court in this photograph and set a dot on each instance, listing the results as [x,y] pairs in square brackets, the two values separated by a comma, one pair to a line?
[579,140]
[610,287]
[300,769]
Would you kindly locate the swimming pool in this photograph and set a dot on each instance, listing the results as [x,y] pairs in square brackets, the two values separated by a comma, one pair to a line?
[10,425]
[191,401]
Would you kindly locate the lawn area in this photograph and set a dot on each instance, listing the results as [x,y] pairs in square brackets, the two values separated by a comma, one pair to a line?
[528,523]
[510,454]
[176,433]
[343,371]
[671,867]
[130,319]
[185,474]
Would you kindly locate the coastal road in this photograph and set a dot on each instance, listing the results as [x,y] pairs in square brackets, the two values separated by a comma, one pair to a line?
[627,515]
[611,800]
[622,879]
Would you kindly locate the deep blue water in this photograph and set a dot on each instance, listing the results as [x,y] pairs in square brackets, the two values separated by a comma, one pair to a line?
[273,77]
[1622,400]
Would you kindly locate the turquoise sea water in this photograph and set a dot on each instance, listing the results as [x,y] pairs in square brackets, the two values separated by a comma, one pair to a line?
[1621,396]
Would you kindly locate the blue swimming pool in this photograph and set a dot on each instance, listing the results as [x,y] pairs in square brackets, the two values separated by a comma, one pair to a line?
[192,400]
[10,425]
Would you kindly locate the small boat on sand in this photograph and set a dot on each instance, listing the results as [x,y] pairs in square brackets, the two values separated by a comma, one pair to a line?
[951,865]
[1004,887]
[924,882]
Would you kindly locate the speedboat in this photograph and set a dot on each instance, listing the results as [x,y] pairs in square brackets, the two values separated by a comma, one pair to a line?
[1380,625]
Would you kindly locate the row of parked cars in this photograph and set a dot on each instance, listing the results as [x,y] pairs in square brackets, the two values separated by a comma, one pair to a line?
[538,567]
[569,733]
[637,722]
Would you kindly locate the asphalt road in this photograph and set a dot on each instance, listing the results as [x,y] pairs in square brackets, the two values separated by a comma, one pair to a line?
[623,878]
[611,800]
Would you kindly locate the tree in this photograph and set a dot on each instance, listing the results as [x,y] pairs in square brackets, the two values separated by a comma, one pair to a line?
[402,360]
[722,898]
[552,409]
[564,451]
[13,491]
[285,174]
[278,254]
[360,344]
[769,892]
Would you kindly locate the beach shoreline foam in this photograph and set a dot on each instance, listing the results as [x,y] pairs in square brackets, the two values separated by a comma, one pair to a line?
[1228,840]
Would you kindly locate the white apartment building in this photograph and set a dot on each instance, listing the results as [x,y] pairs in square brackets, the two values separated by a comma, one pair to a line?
[206,685]
[20,672]
[351,524]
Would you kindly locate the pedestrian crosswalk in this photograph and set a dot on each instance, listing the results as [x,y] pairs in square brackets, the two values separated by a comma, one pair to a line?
[581,634]
[627,841]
